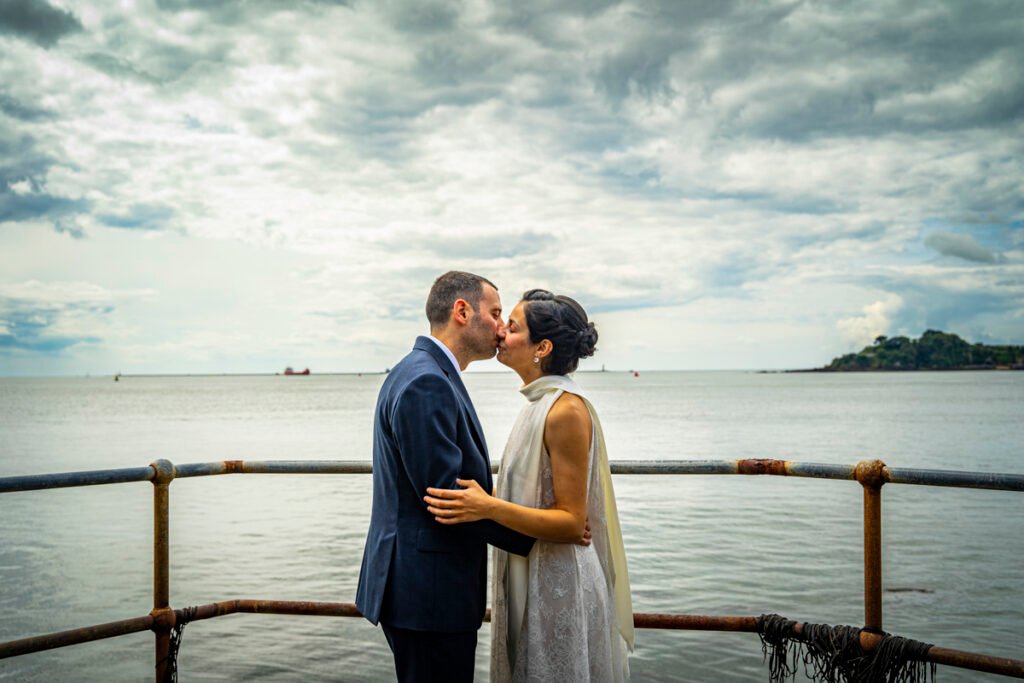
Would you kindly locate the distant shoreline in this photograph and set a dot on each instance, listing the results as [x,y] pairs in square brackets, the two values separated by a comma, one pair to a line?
[966,368]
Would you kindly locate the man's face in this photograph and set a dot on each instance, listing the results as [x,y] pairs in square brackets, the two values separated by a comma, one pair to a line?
[485,330]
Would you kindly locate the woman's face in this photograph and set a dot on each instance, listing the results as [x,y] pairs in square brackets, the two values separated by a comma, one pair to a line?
[516,350]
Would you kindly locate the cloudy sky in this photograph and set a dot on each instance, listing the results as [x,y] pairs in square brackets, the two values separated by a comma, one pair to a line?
[721,184]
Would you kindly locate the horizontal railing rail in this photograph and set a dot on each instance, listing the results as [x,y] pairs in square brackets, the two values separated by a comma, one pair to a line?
[872,475]
[680,622]
[785,468]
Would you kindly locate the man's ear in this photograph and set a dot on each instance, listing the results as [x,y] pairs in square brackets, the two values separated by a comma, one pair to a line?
[461,311]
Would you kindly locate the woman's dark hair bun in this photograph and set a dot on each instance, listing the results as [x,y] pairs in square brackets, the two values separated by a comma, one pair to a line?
[562,321]
[587,343]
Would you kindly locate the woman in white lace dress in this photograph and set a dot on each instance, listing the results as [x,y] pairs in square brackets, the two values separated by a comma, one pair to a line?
[564,613]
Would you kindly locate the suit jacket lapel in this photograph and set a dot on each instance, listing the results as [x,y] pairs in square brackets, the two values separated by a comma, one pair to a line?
[455,378]
[474,422]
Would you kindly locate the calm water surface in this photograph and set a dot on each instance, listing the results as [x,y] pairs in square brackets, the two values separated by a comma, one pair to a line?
[696,544]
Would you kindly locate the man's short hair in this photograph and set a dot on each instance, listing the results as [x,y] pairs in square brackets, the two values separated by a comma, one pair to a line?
[447,289]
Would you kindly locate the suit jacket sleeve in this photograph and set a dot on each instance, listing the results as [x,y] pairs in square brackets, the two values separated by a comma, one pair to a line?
[424,425]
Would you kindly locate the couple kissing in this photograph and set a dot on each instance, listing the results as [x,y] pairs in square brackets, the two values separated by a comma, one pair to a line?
[561,607]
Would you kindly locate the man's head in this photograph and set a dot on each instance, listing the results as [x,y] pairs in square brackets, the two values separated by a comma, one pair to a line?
[464,311]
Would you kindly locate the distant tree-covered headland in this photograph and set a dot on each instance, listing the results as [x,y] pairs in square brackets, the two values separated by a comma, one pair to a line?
[935,350]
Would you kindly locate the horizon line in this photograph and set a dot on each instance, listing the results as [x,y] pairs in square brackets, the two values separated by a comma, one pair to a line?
[137,375]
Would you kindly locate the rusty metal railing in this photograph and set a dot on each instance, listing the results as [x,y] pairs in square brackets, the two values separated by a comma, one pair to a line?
[871,474]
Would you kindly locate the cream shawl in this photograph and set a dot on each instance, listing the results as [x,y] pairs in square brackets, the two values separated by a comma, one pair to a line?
[518,482]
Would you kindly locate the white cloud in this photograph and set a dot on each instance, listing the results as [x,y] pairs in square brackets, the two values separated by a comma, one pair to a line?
[876,320]
[21,187]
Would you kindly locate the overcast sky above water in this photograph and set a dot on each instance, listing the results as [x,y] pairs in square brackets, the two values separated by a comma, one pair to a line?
[721,184]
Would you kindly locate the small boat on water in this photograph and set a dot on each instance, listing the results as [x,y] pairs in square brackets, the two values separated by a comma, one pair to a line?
[290,371]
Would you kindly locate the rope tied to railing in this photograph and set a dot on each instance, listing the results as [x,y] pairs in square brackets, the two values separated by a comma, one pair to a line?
[779,648]
[182,617]
[833,654]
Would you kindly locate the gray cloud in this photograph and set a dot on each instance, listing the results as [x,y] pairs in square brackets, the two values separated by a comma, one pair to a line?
[25,165]
[856,73]
[822,70]
[23,112]
[224,12]
[656,33]
[960,246]
[545,22]
[461,64]
[168,62]
[939,308]
[981,305]
[21,159]
[637,69]
[237,12]
[153,216]
[15,207]
[118,68]
[182,5]
[23,162]
[36,20]
[68,226]
[179,54]
[423,16]
[30,327]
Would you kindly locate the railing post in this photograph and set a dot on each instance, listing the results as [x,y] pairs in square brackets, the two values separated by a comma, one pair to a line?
[871,475]
[163,615]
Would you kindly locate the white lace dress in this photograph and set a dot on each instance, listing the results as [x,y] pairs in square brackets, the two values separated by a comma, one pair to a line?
[564,613]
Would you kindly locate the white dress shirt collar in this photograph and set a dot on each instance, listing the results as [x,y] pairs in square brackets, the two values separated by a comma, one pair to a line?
[447,352]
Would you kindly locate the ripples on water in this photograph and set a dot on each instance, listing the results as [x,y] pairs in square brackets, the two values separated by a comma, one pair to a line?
[699,545]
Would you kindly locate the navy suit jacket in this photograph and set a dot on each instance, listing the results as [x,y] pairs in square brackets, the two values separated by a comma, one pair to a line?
[416,573]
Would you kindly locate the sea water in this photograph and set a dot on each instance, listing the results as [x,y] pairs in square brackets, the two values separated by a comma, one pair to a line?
[717,545]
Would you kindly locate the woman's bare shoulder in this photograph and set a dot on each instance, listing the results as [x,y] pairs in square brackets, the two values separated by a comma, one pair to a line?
[568,412]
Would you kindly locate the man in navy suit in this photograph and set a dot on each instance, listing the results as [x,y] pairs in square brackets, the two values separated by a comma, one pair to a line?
[425,582]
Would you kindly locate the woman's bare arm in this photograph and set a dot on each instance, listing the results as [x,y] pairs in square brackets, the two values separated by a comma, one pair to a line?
[567,433]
